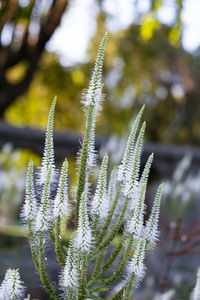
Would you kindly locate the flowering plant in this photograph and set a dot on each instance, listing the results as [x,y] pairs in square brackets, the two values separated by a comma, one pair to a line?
[98,218]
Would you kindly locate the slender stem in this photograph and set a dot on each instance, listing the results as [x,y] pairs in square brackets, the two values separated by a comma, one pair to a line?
[95,223]
[51,235]
[118,295]
[43,276]
[122,264]
[108,262]
[69,294]
[129,286]
[83,279]
[98,265]
[32,245]
[112,257]
[83,272]
[58,247]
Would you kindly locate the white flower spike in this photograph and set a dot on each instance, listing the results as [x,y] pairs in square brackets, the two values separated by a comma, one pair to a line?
[135,225]
[29,209]
[93,96]
[61,202]
[70,276]
[84,232]
[48,156]
[44,214]
[133,171]
[136,264]
[152,223]
[12,286]
[100,204]
[92,100]
[129,151]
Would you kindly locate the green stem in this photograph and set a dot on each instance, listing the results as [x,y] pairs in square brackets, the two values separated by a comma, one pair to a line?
[58,247]
[51,235]
[69,294]
[43,276]
[118,295]
[32,245]
[95,223]
[122,265]
[129,286]
[83,272]
[98,265]
[83,279]
[112,257]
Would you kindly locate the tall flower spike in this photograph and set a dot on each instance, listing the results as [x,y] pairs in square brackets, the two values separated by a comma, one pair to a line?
[69,278]
[100,205]
[44,214]
[135,225]
[93,95]
[112,186]
[129,151]
[92,99]
[12,286]
[30,206]
[133,173]
[61,202]
[48,156]
[152,223]
[84,233]
[136,264]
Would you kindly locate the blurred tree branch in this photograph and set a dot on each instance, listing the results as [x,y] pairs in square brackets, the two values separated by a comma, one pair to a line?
[31,27]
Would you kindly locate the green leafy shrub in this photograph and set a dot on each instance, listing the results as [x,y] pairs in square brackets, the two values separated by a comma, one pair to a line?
[98,218]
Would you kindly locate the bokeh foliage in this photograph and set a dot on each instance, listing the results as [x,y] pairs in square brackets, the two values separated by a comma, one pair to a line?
[145,63]
[137,71]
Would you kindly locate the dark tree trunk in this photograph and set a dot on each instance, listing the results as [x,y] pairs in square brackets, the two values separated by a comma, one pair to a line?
[29,50]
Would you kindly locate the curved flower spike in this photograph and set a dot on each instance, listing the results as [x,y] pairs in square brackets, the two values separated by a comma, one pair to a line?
[48,156]
[152,223]
[29,209]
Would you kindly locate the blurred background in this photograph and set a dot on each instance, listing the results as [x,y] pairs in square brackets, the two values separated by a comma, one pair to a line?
[47,48]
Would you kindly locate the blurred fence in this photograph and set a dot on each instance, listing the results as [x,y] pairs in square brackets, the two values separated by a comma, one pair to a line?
[67,144]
